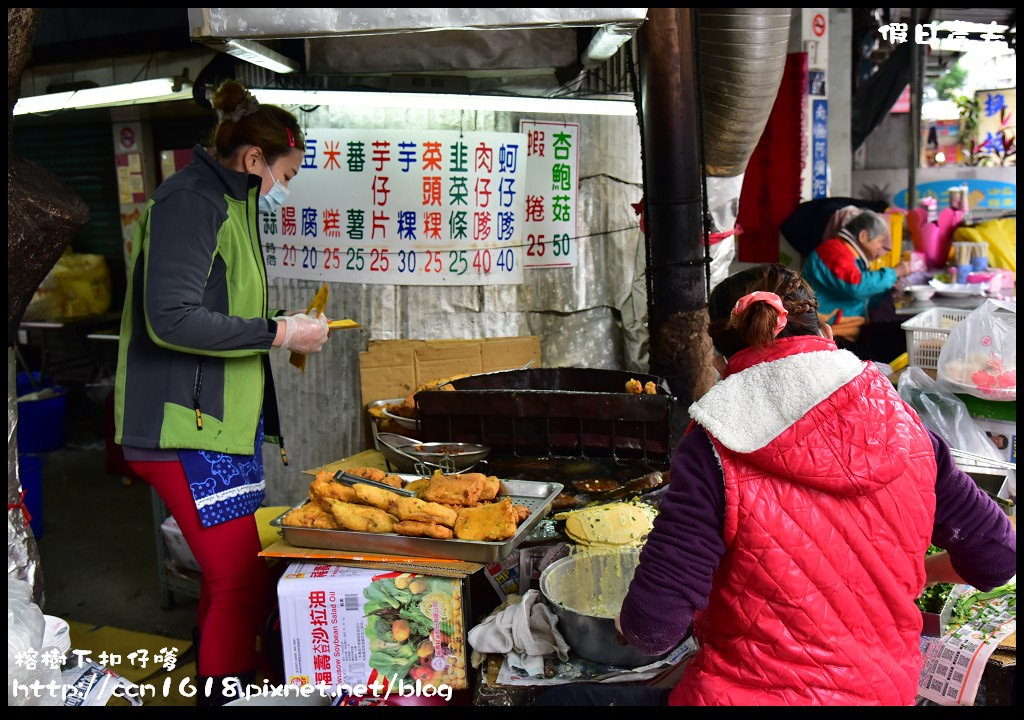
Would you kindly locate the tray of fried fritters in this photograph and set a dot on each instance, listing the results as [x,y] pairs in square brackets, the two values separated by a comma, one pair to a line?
[467,507]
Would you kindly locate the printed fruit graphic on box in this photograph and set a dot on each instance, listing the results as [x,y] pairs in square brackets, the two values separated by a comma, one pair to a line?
[414,627]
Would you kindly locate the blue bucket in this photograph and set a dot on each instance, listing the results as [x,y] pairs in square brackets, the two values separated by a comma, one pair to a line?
[30,471]
[41,422]
[24,382]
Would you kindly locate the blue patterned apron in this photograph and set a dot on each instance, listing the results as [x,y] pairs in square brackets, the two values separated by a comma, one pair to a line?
[225,486]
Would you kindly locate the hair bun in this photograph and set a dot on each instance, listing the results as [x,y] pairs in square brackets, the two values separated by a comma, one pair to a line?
[233,102]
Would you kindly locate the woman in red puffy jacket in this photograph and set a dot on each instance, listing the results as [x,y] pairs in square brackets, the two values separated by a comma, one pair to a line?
[793,535]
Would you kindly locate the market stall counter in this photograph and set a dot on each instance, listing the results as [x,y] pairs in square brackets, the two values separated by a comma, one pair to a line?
[356,619]
[360,621]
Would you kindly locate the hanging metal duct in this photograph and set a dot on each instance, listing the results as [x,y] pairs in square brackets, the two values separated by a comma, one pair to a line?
[355,41]
[742,57]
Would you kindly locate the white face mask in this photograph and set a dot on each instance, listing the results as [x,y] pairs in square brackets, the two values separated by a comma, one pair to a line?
[275,197]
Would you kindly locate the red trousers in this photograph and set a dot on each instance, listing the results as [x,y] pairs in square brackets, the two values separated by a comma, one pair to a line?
[236,589]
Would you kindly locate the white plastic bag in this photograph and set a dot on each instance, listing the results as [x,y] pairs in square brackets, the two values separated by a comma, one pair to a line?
[944,413]
[979,357]
[25,662]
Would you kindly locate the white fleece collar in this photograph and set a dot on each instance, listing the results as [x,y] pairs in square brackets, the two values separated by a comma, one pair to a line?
[749,409]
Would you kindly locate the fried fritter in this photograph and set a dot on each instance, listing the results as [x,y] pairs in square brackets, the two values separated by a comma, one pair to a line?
[492,486]
[488,523]
[376,475]
[362,518]
[429,512]
[377,497]
[522,512]
[406,508]
[634,386]
[422,529]
[310,515]
[418,486]
[324,489]
[462,490]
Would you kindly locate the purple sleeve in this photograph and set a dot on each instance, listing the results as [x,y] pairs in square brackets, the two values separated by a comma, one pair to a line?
[981,542]
[682,552]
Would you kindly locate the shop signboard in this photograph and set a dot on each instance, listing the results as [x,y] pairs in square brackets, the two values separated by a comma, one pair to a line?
[997,120]
[402,207]
[982,194]
[819,149]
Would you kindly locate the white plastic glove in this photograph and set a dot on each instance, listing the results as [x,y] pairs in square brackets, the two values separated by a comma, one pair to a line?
[303,333]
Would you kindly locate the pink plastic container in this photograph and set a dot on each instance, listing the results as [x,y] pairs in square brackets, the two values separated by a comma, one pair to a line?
[934,245]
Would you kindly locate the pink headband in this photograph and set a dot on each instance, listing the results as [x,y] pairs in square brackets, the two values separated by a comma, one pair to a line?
[767,297]
[291,138]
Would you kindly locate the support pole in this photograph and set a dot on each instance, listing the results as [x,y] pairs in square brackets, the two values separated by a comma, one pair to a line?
[914,146]
[680,346]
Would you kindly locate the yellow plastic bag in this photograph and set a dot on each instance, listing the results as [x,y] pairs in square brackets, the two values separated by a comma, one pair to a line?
[1000,236]
[84,282]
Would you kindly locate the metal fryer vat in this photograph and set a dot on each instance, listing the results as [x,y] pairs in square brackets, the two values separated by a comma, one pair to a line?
[547,412]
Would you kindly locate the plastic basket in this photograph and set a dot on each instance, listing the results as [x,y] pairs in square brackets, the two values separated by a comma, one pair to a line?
[927,333]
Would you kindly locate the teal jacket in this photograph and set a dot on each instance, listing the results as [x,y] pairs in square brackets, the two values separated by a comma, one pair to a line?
[192,367]
[838,273]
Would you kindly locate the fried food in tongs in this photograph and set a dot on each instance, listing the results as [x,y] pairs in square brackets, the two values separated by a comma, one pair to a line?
[349,479]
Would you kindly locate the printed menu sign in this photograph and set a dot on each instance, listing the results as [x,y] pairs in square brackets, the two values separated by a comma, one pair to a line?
[552,185]
[402,207]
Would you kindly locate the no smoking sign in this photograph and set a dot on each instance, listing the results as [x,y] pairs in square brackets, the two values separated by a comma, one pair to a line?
[818,24]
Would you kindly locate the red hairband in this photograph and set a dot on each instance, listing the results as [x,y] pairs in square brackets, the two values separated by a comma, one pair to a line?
[766,297]
[291,138]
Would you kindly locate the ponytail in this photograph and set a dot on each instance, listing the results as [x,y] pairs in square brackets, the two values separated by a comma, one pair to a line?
[754,307]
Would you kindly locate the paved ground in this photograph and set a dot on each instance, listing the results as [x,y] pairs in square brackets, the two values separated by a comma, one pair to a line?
[98,545]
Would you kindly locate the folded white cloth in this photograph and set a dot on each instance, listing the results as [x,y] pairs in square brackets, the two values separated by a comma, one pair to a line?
[525,632]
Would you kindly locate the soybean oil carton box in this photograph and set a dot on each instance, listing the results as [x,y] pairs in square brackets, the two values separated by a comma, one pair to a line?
[344,627]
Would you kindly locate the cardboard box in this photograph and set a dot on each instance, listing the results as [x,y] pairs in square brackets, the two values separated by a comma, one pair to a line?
[395,368]
[346,626]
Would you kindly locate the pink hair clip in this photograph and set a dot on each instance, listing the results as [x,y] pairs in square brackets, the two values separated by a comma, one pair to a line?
[291,138]
[766,297]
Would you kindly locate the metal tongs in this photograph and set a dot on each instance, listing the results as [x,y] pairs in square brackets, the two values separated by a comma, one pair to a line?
[349,479]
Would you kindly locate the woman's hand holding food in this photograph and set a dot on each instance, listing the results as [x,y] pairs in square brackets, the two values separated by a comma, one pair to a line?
[302,333]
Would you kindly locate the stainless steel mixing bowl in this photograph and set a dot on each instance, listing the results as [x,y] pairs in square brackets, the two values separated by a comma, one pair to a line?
[582,577]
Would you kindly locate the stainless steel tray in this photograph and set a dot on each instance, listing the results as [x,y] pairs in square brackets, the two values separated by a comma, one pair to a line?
[535,495]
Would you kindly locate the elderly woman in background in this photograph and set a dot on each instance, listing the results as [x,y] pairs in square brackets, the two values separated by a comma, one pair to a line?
[839,273]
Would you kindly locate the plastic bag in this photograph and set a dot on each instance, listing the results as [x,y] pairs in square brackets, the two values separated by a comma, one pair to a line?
[1001,237]
[84,281]
[944,413]
[47,303]
[979,357]
[25,663]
